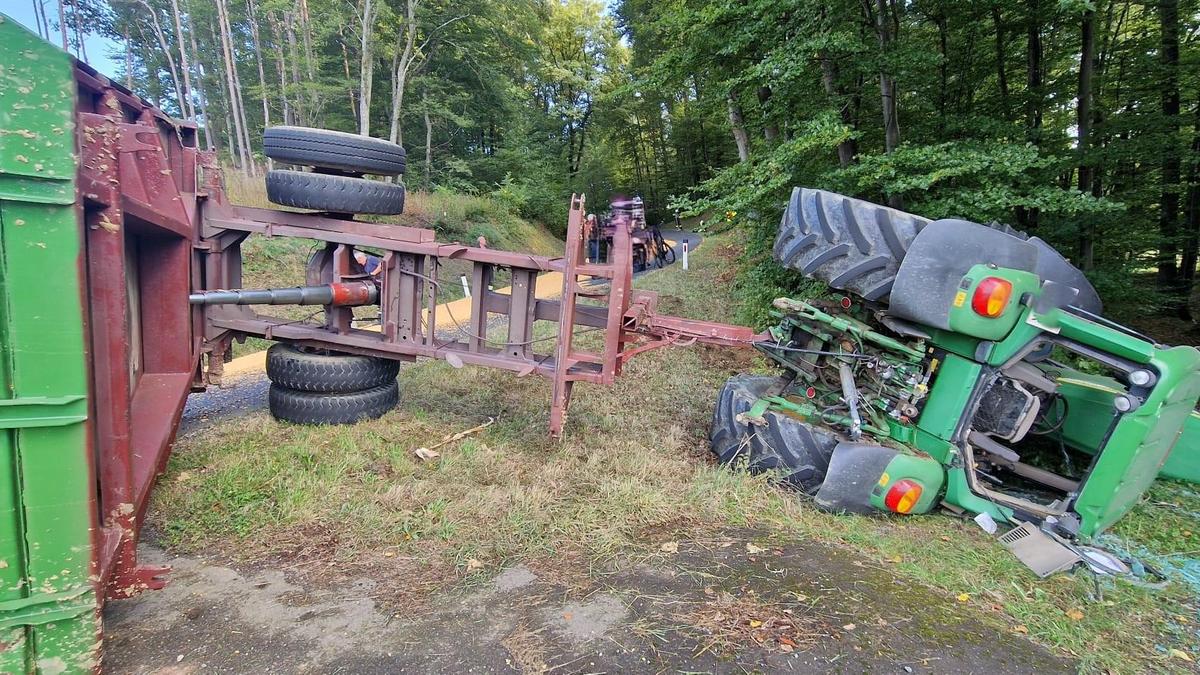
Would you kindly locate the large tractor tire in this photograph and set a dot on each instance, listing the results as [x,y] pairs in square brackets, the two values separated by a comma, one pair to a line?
[857,246]
[322,371]
[850,244]
[305,407]
[337,150]
[338,194]
[798,452]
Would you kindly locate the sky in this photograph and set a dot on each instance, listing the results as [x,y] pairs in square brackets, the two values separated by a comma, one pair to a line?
[99,48]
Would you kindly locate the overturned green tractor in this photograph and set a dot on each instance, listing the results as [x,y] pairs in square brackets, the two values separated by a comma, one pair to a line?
[969,368]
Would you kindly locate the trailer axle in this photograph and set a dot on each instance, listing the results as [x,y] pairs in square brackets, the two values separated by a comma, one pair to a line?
[346,294]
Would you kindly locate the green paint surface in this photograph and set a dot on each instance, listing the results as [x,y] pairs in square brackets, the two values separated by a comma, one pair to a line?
[48,606]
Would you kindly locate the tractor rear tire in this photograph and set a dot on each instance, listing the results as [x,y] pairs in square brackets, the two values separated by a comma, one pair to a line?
[305,407]
[850,244]
[322,371]
[338,150]
[800,452]
[338,194]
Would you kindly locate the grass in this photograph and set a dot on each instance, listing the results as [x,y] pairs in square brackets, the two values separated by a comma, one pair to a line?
[634,465]
[278,262]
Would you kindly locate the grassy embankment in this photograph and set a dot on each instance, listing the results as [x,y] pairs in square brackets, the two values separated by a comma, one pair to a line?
[633,471]
[278,262]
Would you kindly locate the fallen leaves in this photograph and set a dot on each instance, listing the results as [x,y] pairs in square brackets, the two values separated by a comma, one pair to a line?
[1181,655]
[729,621]
[1074,614]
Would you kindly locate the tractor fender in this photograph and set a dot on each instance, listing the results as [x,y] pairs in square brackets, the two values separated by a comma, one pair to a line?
[860,475]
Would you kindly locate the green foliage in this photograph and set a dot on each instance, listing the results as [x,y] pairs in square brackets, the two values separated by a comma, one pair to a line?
[978,180]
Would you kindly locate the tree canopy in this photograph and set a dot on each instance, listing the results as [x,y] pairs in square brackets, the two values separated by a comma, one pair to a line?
[1077,121]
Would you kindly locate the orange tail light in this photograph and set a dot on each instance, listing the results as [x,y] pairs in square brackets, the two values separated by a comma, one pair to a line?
[991,297]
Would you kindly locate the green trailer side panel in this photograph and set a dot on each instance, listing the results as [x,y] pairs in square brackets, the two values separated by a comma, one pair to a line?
[37,114]
[48,606]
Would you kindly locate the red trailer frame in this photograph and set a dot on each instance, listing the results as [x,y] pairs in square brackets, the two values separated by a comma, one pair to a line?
[159,226]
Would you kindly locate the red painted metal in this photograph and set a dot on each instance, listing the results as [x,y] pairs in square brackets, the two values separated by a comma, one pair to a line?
[137,195]
[159,226]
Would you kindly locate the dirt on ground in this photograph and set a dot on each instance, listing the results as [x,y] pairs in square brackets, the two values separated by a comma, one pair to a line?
[730,603]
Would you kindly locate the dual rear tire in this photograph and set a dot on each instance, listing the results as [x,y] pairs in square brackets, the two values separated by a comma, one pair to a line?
[321,387]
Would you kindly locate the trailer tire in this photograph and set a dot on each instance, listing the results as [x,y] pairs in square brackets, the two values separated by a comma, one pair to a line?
[306,407]
[339,194]
[850,244]
[800,452]
[301,369]
[352,153]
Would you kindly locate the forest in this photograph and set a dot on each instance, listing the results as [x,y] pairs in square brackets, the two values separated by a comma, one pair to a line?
[1076,121]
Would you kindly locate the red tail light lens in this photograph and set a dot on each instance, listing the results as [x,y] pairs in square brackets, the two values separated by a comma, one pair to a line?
[903,495]
[991,297]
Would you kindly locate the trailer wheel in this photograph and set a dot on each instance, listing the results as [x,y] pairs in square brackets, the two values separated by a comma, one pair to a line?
[322,371]
[306,407]
[799,452]
[340,194]
[337,150]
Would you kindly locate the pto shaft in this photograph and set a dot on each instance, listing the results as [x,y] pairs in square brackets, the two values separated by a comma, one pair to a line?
[337,295]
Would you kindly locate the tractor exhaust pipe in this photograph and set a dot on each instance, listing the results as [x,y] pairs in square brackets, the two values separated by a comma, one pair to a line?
[338,295]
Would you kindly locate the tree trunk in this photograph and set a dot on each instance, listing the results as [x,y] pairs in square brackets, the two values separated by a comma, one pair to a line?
[223,91]
[38,8]
[1033,105]
[184,64]
[1191,210]
[306,32]
[281,69]
[944,63]
[346,68]
[1083,120]
[848,148]
[62,26]
[251,16]
[166,50]
[770,128]
[402,63]
[240,109]
[210,142]
[235,104]
[428,145]
[128,60]
[887,83]
[80,48]
[738,126]
[1168,222]
[1001,69]
[366,67]
[884,32]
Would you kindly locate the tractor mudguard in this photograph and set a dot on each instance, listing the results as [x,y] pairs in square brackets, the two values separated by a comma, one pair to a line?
[860,476]
[938,259]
